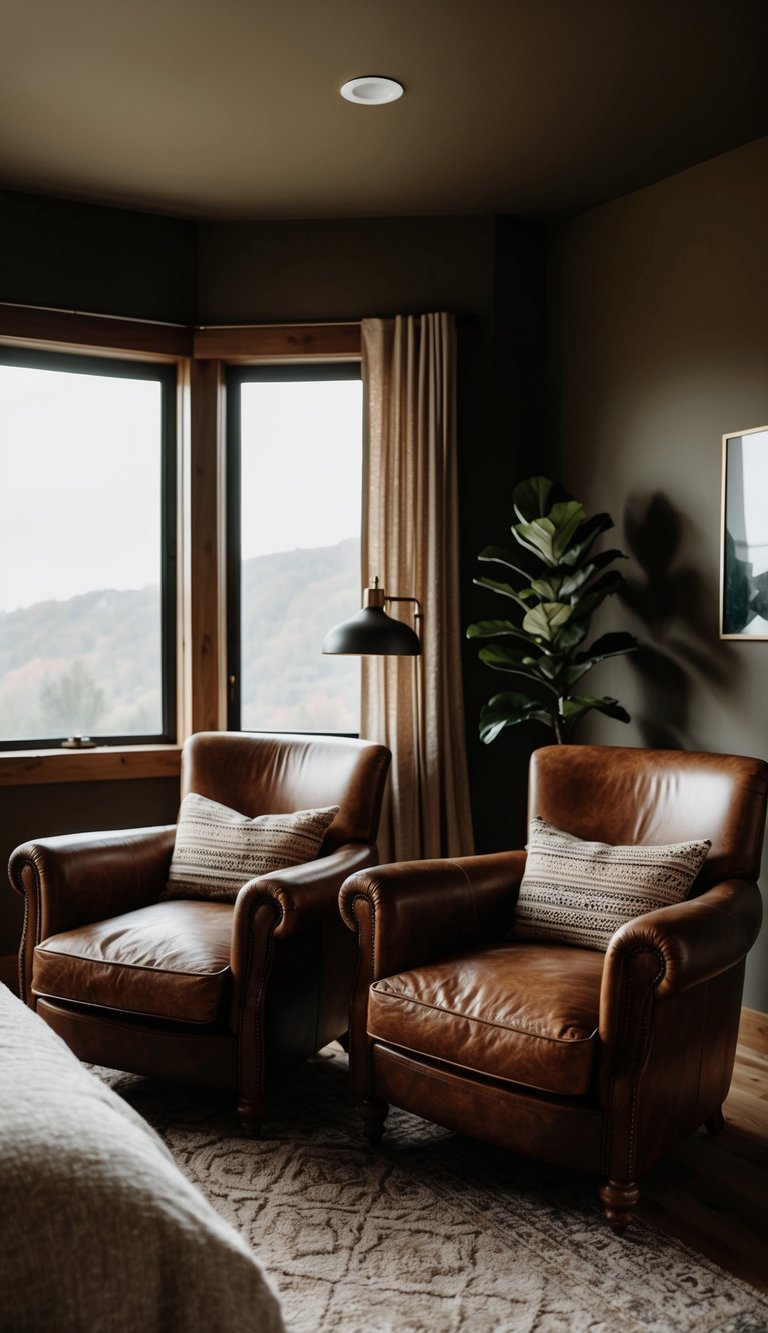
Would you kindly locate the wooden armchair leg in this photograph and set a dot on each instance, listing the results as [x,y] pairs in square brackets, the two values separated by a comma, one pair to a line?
[619,1200]
[250,1114]
[715,1123]
[374,1114]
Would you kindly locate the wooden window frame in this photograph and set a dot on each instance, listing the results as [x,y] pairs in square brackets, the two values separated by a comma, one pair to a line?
[201,356]
[162,373]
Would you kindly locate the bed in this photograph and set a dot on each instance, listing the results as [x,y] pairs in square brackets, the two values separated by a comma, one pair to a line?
[99,1230]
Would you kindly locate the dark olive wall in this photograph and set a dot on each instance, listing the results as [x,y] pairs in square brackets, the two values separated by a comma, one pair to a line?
[660,345]
[105,261]
[344,269]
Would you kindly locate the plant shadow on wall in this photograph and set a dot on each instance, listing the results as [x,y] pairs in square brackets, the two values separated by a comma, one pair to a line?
[560,582]
[678,607]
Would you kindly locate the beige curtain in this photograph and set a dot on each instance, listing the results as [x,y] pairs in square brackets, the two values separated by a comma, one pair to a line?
[414,704]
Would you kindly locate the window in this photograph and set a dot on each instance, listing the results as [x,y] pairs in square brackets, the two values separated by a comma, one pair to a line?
[87,549]
[294,497]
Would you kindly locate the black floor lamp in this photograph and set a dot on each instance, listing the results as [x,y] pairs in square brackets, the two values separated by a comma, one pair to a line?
[372,631]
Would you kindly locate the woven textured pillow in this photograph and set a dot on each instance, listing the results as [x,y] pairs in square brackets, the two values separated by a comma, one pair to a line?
[218,850]
[577,892]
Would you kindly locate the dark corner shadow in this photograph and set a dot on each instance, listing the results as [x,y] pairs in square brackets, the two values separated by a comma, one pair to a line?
[678,608]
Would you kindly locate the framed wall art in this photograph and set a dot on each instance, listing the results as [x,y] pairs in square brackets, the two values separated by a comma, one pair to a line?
[744,557]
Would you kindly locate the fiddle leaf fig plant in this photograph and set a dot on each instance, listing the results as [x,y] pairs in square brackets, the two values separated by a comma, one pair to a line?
[553,607]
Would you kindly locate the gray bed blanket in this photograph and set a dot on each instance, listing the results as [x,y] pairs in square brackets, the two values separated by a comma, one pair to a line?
[99,1230]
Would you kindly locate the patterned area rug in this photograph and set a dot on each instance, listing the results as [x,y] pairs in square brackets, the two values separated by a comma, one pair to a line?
[432,1233]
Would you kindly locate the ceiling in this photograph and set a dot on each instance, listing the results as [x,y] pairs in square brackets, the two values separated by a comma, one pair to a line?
[230,108]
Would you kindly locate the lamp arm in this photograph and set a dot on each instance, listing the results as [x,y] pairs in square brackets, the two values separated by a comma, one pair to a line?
[418,613]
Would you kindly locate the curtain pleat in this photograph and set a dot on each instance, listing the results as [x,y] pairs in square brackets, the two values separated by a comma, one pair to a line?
[410,526]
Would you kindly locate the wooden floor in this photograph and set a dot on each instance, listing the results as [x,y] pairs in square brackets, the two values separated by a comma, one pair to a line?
[712,1193]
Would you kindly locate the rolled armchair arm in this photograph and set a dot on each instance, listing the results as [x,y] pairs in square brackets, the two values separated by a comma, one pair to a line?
[82,877]
[275,907]
[650,1004]
[77,878]
[684,945]
[413,912]
[298,897]
[695,940]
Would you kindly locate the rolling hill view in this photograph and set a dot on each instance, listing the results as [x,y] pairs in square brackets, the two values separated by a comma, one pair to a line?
[91,664]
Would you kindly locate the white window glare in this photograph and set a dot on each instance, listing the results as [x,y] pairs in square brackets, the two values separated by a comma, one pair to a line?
[81,553]
[81,453]
[300,499]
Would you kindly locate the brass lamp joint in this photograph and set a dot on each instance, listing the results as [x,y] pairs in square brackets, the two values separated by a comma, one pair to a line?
[373,595]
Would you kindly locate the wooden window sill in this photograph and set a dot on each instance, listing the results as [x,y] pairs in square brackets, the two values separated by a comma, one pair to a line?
[20,768]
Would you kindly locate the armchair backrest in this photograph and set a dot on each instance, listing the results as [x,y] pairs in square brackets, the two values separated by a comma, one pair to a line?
[266,774]
[627,796]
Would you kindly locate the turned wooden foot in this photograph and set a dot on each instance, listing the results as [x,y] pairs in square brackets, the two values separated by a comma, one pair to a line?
[715,1123]
[250,1115]
[374,1114]
[619,1200]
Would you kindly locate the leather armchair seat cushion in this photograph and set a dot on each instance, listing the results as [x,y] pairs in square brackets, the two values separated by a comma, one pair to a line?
[170,960]
[523,1013]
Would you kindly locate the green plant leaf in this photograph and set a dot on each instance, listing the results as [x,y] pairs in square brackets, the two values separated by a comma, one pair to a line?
[538,536]
[500,556]
[550,667]
[488,629]
[571,635]
[492,629]
[597,594]
[567,517]
[573,583]
[551,536]
[577,705]
[585,538]
[547,589]
[570,675]
[505,589]
[608,645]
[505,656]
[496,656]
[507,710]
[530,497]
[543,621]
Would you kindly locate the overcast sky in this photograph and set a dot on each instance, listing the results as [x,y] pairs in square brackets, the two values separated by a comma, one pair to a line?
[80,477]
[303,441]
[79,484]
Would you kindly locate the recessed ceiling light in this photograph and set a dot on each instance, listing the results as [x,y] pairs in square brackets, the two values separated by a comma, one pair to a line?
[372,90]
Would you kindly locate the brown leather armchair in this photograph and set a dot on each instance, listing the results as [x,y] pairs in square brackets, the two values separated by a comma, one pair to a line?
[601,1061]
[217,993]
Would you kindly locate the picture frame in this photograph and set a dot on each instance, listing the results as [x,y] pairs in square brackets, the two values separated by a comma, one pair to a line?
[744,535]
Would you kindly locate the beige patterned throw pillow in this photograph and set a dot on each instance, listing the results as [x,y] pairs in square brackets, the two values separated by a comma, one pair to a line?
[577,892]
[218,850]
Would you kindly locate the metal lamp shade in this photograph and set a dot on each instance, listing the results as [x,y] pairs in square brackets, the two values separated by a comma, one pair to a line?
[372,631]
